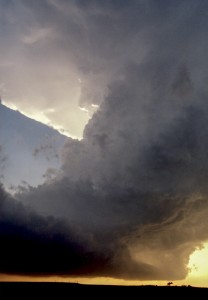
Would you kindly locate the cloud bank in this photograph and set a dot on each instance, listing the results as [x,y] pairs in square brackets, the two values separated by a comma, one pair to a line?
[133,192]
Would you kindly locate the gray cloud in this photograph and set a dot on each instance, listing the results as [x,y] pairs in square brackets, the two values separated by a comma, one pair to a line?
[3,161]
[135,185]
[47,150]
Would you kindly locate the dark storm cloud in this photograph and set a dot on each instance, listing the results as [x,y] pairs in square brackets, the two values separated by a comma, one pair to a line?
[31,244]
[136,185]
[140,181]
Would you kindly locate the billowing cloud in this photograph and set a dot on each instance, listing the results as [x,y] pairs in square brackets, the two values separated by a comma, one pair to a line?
[139,182]
[135,186]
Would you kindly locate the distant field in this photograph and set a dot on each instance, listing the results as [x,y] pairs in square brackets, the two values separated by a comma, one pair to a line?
[68,289]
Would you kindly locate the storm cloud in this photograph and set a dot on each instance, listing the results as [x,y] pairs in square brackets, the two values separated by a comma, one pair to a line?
[133,191]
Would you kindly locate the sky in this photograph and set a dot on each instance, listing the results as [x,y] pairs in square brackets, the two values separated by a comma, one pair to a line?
[127,81]
[30,152]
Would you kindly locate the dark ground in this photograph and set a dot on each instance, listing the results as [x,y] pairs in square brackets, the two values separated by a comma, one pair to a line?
[69,290]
